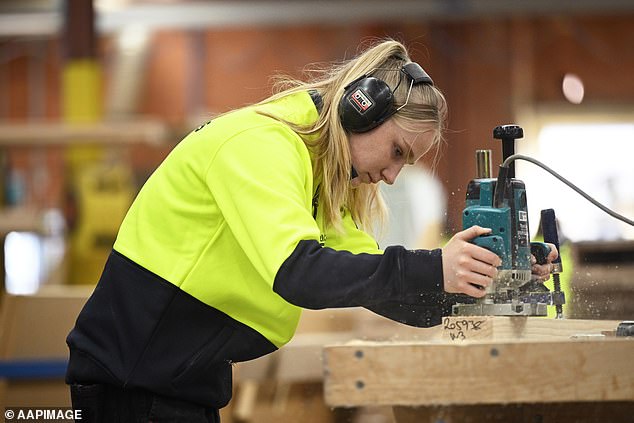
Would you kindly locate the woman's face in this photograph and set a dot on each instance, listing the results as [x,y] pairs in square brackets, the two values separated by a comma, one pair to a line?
[380,154]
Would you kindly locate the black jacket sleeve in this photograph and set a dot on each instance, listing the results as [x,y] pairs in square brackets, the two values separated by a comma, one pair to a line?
[317,277]
[427,310]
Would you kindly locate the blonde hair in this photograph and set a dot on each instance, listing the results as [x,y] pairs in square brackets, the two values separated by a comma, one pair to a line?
[330,149]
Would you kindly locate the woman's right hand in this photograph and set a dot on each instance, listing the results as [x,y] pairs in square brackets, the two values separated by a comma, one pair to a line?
[468,268]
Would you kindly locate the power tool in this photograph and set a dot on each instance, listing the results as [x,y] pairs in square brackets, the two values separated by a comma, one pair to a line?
[500,204]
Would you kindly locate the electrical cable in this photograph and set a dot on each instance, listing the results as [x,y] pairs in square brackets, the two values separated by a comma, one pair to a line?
[579,191]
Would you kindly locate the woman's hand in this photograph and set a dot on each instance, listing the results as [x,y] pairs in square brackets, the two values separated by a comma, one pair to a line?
[542,271]
[467,268]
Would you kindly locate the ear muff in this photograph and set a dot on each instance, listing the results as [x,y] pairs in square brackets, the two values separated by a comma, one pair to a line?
[367,101]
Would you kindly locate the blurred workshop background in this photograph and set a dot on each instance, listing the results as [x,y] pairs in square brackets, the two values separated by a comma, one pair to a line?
[94,94]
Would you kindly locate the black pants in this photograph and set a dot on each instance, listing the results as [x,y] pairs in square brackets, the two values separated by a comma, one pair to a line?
[109,404]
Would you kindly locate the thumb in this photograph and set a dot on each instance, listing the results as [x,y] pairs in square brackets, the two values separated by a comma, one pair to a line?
[472,232]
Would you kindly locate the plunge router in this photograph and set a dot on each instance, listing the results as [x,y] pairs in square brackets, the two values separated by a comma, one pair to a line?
[500,204]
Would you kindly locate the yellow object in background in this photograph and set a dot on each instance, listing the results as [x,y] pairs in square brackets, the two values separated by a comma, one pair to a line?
[82,103]
[81,79]
[100,190]
[103,193]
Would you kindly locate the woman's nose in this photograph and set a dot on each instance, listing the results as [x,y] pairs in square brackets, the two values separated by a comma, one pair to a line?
[389,174]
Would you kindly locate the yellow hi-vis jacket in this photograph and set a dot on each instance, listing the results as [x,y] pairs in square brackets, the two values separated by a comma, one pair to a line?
[221,250]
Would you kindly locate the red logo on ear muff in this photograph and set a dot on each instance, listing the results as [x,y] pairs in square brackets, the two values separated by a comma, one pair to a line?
[361,101]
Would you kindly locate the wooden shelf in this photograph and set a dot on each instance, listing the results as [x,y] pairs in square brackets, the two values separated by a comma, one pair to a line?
[24,219]
[112,132]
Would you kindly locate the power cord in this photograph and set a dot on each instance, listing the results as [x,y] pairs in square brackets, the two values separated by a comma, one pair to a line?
[514,157]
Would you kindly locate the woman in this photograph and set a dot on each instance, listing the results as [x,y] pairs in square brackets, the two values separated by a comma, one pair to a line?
[253,216]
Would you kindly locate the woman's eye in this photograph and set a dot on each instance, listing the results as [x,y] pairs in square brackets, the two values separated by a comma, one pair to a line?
[398,152]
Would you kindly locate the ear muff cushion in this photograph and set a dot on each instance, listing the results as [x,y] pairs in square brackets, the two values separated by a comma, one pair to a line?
[365,104]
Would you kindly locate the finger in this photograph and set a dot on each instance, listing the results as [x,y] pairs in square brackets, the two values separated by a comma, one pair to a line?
[479,280]
[482,268]
[484,255]
[542,270]
[473,291]
[472,232]
[553,253]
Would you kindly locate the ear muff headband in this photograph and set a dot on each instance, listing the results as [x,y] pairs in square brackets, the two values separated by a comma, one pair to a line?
[416,73]
[368,101]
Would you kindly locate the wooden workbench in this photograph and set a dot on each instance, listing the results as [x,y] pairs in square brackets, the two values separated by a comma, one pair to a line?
[506,369]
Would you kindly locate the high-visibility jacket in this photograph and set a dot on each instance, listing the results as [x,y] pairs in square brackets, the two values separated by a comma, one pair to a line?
[218,254]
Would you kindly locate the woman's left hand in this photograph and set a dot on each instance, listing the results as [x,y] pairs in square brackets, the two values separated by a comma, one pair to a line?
[542,271]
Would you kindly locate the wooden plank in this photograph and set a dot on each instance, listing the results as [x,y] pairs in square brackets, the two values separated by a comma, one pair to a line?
[301,359]
[474,372]
[521,327]
[37,393]
[482,327]
[36,326]
[578,412]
